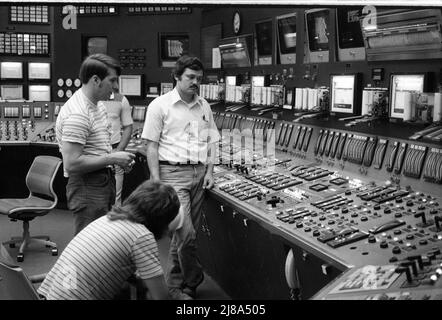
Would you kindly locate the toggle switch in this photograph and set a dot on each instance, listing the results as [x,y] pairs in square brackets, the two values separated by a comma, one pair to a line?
[407,272]
[410,264]
[417,258]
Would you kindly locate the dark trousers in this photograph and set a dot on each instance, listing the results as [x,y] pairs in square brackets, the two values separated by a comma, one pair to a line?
[90,196]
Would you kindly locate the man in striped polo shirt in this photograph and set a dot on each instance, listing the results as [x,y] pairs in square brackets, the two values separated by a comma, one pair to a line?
[83,134]
[97,262]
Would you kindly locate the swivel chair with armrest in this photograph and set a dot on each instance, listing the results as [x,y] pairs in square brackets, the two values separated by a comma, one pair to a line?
[40,201]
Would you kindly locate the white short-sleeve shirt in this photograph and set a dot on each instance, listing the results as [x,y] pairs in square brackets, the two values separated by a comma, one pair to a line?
[183,130]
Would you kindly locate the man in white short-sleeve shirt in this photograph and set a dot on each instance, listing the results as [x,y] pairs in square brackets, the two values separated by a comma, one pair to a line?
[181,138]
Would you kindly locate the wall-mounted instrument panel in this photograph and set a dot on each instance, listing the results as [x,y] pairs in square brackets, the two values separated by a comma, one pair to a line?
[26,122]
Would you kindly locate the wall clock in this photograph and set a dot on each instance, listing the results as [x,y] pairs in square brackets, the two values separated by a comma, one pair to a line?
[236,22]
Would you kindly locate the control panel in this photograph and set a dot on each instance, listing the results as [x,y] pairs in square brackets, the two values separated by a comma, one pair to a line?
[26,122]
[352,199]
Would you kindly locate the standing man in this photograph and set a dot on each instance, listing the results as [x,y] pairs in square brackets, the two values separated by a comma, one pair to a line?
[181,137]
[83,133]
[119,113]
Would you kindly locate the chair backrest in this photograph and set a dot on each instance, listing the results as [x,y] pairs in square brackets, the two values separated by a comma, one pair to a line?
[14,284]
[41,175]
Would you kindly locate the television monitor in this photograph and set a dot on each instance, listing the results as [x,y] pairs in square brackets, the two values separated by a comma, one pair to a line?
[39,70]
[286,31]
[345,94]
[11,70]
[264,42]
[350,40]
[130,85]
[235,51]
[402,88]
[93,44]
[39,93]
[318,31]
[11,91]
[96,45]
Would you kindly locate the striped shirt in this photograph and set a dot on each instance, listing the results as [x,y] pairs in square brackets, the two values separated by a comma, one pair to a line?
[183,130]
[96,263]
[81,121]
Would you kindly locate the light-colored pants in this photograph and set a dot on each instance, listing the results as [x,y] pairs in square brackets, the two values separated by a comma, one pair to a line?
[119,178]
[183,266]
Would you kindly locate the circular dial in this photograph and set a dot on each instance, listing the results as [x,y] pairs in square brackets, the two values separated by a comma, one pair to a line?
[60,82]
[60,93]
[68,93]
[77,83]
[236,22]
[68,82]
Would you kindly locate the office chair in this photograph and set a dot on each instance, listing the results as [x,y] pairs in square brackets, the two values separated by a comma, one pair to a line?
[40,201]
[14,284]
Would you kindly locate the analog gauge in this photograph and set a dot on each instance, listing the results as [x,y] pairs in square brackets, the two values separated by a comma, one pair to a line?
[68,93]
[68,82]
[60,82]
[77,83]
[60,93]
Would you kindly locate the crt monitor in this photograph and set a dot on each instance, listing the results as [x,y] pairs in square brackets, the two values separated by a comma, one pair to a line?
[402,88]
[11,91]
[39,93]
[39,71]
[11,70]
[235,51]
[345,94]
[264,42]
[286,28]
[318,31]
[350,39]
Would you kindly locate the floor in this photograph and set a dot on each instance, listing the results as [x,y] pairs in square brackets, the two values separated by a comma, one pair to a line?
[58,224]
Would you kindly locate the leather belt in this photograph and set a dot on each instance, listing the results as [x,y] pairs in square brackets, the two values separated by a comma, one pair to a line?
[187,163]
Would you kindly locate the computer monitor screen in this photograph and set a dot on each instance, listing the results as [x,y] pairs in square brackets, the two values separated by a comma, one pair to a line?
[402,88]
[39,93]
[11,70]
[11,91]
[235,52]
[317,29]
[286,27]
[130,85]
[349,28]
[96,45]
[264,41]
[39,70]
[343,93]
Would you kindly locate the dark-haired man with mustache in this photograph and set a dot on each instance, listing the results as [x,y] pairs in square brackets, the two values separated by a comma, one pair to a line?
[181,135]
